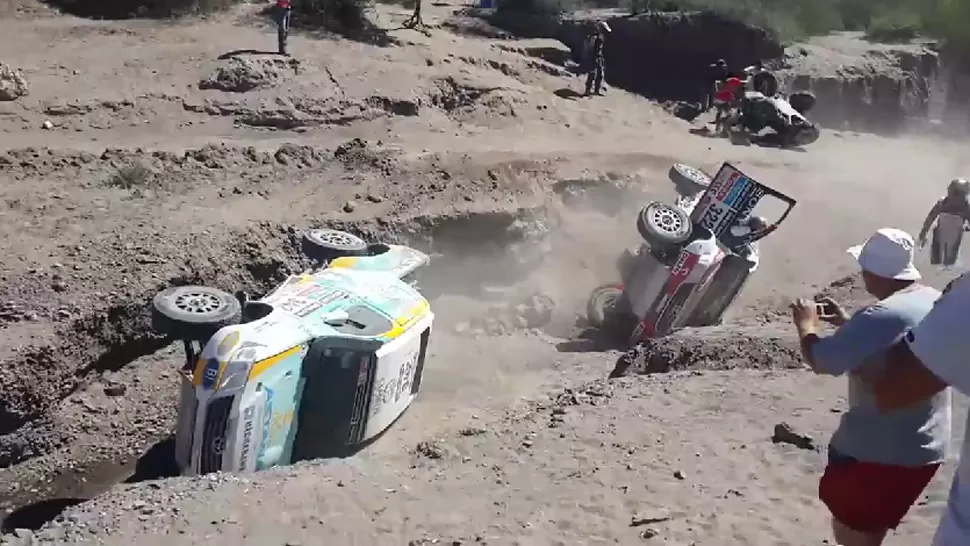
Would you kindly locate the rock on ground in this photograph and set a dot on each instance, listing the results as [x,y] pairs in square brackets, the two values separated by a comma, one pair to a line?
[12,83]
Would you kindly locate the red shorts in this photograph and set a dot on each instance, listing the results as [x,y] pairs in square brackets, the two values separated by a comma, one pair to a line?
[871,497]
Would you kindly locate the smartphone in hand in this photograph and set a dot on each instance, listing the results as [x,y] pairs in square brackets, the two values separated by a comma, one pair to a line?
[825,309]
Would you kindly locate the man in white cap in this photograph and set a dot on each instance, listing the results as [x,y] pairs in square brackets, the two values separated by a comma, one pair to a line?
[879,463]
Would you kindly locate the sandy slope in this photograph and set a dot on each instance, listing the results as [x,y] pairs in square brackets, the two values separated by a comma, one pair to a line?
[489,133]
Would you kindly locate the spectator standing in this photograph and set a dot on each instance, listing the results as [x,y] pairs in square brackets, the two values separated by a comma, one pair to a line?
[597,67]
[282,13]
[933,355]
[878,463]
[950,214]
[726,98]
[716,73]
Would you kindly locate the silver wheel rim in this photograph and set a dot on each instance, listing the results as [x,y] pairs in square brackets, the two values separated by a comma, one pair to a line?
[197,303]
[690,172]
[666,219]
[336,238]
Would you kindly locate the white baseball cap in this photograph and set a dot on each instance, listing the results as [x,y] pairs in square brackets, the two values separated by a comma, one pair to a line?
[888,254]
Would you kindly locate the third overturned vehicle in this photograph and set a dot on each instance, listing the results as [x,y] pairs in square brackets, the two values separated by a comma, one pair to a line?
[318,367]
[695,257]
[785,116]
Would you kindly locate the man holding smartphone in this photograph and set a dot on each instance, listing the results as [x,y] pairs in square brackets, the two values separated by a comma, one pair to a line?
[879,463]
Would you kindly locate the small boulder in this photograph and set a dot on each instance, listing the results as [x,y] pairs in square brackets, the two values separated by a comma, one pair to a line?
[12,84]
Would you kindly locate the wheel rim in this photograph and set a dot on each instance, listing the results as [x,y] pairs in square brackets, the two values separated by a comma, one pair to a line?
[666,220]
[694,174]
[197,303]
[336,238]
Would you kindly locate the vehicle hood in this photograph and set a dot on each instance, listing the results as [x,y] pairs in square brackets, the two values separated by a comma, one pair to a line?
[315,298]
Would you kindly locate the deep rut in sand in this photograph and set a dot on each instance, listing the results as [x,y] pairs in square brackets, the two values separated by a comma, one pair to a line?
[473,254]
[505,245]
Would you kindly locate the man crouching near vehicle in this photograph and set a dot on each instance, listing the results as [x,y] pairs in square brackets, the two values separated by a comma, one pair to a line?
[878,463]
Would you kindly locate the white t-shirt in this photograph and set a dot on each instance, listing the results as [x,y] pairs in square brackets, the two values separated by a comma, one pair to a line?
[942,343]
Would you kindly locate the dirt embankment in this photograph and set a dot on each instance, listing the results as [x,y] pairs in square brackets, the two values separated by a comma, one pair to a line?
[859,85]
[450,143]
[864,86]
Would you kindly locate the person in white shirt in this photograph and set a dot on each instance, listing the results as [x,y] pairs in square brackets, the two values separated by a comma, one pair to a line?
[931,356]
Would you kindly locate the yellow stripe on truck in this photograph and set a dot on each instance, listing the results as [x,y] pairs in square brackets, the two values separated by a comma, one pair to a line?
[346,262]
[407,318]
[263,365]
[197,374]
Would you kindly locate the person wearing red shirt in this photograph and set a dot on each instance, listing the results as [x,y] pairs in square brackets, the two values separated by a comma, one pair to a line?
[725,98]
[283,10]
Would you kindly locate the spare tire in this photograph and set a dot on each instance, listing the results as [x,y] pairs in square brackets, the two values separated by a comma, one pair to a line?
[329,244]
[193,313]
[689,179]
[802,101]
[664,225]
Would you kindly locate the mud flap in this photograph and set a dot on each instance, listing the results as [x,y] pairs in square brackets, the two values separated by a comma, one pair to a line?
[724,288]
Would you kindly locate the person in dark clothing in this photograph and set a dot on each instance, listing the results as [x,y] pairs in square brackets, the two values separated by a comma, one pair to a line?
[597,68]
[281,13]
[716,73]
[950,216]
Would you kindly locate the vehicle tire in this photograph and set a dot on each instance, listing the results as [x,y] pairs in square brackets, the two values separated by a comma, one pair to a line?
[802,101]
[663,224]
[806,134]
[329,244]
[601,303]
[193,313]
[688,178]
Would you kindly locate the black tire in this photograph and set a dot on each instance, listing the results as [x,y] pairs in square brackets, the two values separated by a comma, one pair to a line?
[802,101]
[193,313]
[663,224]
[806,134]
[601,303]
[688,178]
[329,244]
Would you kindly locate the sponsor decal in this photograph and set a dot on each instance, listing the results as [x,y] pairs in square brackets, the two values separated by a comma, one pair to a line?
[249,415]
[210,374]
[406,375]
[682,268]
[738,185]
[267,420]
[751,197]
[332,296]
[308,310]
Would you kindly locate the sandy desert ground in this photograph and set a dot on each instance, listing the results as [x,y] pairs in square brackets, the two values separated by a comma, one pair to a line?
[141,178]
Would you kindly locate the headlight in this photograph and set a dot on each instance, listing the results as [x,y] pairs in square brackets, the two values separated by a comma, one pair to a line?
[235,376]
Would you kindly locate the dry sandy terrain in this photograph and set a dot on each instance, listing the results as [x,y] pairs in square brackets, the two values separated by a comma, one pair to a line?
[143,178]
